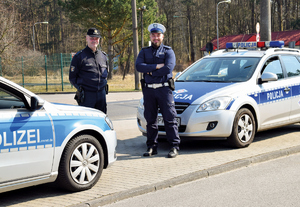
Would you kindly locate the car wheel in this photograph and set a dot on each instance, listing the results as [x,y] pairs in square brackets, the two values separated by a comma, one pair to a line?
[81,163]
[243,130]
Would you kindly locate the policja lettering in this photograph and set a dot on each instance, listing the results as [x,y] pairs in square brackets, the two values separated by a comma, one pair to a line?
[185,97]
[275,95]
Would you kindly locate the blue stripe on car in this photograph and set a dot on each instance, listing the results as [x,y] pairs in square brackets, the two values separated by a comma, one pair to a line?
[29,131]
[194,90]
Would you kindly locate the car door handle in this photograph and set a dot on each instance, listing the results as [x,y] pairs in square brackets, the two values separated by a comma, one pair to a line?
[287,89]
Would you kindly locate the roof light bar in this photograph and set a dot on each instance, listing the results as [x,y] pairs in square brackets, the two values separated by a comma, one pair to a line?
[241,45]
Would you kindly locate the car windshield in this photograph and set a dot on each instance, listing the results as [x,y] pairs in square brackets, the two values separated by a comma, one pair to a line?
[229,69]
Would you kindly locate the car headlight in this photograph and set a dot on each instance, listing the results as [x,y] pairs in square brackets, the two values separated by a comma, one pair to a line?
[215,104]
[109,123]
[141,104]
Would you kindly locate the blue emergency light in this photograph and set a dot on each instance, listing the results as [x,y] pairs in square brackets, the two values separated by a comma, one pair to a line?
[247,45]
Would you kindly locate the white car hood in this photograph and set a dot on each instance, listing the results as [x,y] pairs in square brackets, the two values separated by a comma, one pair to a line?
[70,108]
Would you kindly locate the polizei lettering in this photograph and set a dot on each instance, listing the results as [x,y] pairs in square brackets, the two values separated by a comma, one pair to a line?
[274,95]
[20,137]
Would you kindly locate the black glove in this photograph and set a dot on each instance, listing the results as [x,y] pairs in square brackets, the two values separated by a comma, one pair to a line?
[106,88]
[79,96]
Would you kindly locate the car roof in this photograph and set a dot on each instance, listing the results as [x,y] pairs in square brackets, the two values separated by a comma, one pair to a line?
[237,53]
[253,52]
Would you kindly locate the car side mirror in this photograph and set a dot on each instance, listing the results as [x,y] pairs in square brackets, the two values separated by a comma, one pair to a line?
[35,103]
[266,77]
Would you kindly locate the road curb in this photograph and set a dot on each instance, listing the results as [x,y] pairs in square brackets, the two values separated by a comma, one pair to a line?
[189,177]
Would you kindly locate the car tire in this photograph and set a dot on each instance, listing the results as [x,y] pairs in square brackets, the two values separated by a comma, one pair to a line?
[243,129]
[81,164]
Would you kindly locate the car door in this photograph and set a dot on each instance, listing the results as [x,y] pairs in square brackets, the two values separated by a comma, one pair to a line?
[274,96]
[26,139]
[292,66]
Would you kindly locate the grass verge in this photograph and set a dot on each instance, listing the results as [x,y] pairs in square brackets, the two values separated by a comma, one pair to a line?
[53,84]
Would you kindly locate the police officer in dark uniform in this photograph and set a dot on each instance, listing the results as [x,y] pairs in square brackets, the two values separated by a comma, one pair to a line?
[157,62]
[88,73]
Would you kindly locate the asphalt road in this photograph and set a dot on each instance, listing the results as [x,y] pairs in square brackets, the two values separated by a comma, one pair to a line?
[273,183]
[118,110]
[119,105]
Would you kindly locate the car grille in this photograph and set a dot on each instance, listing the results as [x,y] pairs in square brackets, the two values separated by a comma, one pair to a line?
[180,107]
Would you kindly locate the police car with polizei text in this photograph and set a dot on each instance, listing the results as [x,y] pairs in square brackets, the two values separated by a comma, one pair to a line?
[42,142]
[234,93]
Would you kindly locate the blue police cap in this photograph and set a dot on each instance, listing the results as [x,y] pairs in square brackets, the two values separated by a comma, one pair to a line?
[156,28]
[93,32]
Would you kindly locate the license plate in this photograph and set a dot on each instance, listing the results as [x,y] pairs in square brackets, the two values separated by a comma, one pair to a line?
[160,121]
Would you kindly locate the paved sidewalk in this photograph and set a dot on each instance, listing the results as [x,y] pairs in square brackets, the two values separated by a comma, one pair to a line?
[133,174]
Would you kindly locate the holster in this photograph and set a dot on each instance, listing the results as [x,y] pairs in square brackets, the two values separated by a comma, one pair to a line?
[171,84]
[142,82]
[79,95]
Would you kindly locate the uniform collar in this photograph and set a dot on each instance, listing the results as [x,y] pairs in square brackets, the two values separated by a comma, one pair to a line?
[159,50]
[160,46]
[89,49]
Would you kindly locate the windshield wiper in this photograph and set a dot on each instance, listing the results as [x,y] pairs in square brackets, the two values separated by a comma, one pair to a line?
[249,66]
[199,81]
[209,81]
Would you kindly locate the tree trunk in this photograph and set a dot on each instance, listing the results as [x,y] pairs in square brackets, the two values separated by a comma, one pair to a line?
[127,66]
[110,55]
[191,33]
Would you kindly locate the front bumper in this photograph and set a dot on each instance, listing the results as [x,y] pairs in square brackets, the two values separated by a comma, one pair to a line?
[111,142]
[209,124]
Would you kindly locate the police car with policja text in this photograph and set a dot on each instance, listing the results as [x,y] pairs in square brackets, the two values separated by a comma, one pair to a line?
[43,142]
[234,93]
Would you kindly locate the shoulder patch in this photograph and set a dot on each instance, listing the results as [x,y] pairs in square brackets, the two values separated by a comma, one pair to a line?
[72,68]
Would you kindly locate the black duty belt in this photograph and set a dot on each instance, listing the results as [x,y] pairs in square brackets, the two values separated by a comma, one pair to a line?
[156,85]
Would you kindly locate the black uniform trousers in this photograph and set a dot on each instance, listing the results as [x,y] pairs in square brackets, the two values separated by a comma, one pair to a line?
[96,99]
[163,98]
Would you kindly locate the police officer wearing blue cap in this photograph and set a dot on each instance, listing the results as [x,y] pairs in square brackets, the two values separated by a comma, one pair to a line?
[88,73]
[157,62]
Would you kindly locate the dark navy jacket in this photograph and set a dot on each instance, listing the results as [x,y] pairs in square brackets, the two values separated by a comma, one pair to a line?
[149,57]
[89,70]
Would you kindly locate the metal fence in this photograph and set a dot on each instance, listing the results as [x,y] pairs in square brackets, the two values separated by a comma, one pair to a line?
[39,73]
